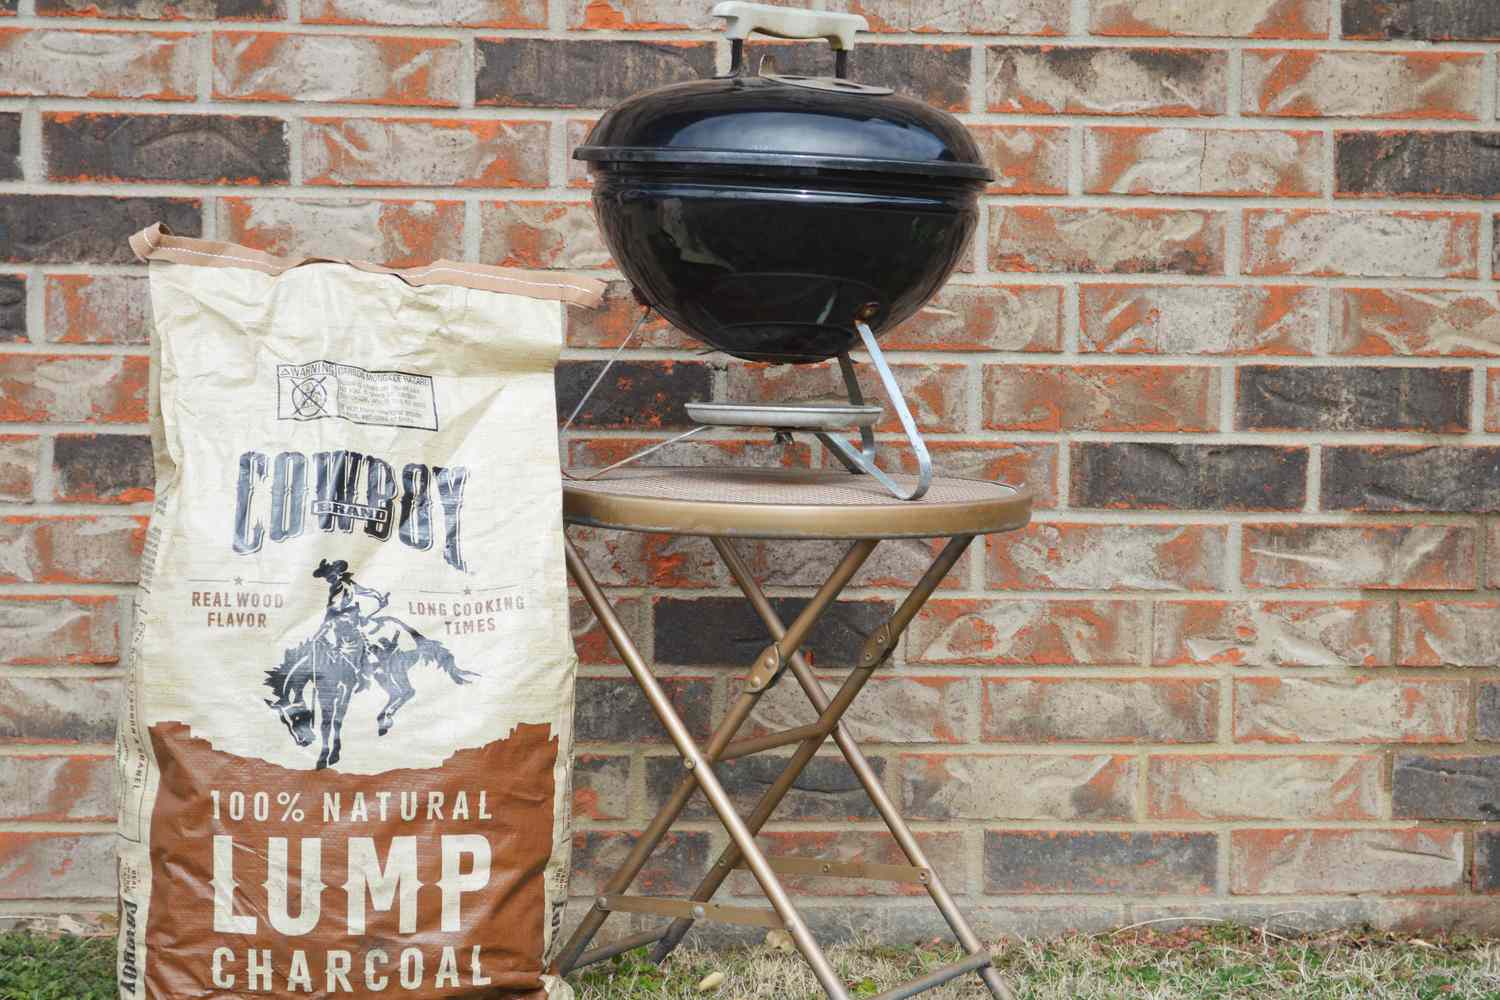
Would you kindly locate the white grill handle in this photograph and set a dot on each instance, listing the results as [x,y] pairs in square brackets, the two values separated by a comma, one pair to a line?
[790,22]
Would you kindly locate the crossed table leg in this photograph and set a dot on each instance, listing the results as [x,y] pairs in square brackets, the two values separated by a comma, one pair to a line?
[780,656]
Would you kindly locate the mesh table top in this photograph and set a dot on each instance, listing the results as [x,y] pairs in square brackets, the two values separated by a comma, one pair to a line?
[786,503]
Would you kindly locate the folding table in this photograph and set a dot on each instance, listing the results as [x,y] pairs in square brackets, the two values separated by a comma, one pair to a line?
[725,504]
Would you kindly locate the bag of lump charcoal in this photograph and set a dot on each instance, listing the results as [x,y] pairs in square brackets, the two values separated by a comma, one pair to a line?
[345,753]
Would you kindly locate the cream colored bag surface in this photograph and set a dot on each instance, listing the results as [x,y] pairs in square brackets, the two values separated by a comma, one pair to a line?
[345,752]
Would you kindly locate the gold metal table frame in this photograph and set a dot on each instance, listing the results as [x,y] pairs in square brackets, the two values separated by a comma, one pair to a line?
[724,504]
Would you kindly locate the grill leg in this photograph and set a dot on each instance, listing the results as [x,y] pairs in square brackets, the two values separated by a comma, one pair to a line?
[852,753]
[698,762]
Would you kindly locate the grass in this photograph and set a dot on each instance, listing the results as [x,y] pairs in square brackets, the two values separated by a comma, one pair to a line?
[1221,962]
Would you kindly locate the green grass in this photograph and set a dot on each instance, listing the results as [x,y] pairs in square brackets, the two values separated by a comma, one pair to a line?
[1221,962]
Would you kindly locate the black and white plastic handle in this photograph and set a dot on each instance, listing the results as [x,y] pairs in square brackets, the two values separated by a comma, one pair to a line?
[746,19]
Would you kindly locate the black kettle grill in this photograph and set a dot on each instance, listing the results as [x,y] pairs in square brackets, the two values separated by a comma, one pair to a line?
[788,219]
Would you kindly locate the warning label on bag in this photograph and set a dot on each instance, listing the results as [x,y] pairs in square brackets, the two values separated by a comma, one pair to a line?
[322,389]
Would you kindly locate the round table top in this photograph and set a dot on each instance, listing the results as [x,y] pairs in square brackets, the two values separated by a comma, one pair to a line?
[789,503]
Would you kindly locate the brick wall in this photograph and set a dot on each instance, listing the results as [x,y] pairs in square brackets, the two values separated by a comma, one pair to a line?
[1231,313]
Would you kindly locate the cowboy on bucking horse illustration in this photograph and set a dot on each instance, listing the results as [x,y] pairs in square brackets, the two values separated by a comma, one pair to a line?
[354,645]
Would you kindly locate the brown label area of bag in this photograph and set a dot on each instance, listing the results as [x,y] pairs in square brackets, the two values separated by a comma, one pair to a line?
[283,882]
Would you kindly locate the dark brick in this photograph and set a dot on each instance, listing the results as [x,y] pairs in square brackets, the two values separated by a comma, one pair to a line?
[1099,862]
[614,710]
[10,146]
[725,631]
[1315,398]
[825,790]
[1415,478]
[12,308]
[46,710]
[675,868]
[1154,476]
[936,74]
[1427,20]
[1487,861]
[68,229]
[103,468]
[636,395]
[552,73]
[1438,786]
[225,10]
[8,7]
[1487,716]
[1423,164]
[198,149]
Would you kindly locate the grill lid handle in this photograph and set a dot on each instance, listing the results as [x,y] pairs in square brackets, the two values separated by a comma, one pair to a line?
[790,22]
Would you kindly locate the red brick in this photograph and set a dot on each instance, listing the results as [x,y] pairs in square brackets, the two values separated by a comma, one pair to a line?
[1350,710]
[970,631]
[1362,244]
[1362,84]
[157,65]
[1090,787]
[936,393]
[1273,633]
[578,133]
[1100,398]
[1450,634]
[1201,319]
[589,639]
[1145,557]
[1213,18]
[398,233]
[1196,161]
[890,709]
[896,565]
[58,788]
[19,455]
[611,323]
[945,851]
[1095,80]
[980,17]
[438,13]
[1415,322]
[57,866]
[675,868]
[1377,556]
[350,69]
[1102,710]
[540,234]
[1026,159]
[640,560]
[983,318]
[74,629]
[1029,464]
[97,309]
[73,388]
[1202,787]
[1106,240]
[596,453]
[638,15]
[1345,861]
[430,152]
[601,786]
[71,549]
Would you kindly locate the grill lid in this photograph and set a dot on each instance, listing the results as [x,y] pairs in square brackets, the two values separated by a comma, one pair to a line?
[771,121]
